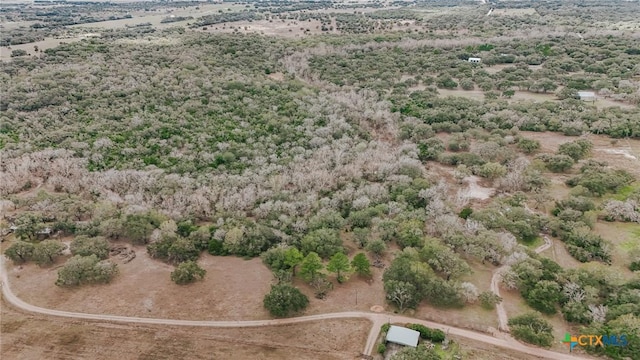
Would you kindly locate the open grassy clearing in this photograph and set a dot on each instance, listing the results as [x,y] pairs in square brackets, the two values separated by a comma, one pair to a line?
[623,236]
[9,25]
[619,153]
[514,12]
[143,288]
[5,51]
[471,316]
[479,95]
[496,68]
[26,336]
[558,253]
[154,18]
[265,27]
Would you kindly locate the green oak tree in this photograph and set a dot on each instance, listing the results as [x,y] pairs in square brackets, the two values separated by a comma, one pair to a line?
[361,265]
[311,267]
[187,272]
[84,246]
[339,264]
[20,251]
[44,253]
[284,299]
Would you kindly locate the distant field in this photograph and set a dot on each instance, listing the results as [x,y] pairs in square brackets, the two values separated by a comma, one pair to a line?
[289,28]
[5,51]
[529,96]
[155,18]
[514,12]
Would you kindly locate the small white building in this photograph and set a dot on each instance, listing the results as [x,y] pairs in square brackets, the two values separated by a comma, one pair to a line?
[587,96]
[475,60]
[403,336]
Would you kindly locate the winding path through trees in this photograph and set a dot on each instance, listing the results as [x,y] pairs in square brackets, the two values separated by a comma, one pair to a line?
[495,286]
[377,319]
[497,274]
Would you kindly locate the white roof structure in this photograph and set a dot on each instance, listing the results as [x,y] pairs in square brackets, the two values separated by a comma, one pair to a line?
[587,95]
[403,336]
[474,60]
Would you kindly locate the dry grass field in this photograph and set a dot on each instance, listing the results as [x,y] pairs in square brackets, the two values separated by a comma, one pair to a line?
[144,288]
[155,17]
[5,51]
[27,337]
[276,28]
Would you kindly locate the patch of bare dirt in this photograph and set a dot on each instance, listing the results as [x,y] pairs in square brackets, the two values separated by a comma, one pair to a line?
[477,191]
[277,76]
[624,153]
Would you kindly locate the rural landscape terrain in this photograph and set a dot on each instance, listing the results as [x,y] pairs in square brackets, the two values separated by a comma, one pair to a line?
[288,179]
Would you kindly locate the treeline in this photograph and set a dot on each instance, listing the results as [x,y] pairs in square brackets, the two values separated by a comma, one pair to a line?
[227,17]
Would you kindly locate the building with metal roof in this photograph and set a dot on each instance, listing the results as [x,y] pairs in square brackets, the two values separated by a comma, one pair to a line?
[586,96]
[403,336]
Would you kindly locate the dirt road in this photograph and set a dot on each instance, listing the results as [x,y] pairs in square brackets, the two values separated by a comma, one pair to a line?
[377,320]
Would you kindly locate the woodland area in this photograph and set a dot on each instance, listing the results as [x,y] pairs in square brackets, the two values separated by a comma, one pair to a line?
[328,154]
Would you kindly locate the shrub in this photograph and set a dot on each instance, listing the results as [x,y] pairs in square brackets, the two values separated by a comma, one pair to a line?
[489,300]
[465,213]
[492,170]
[576,149]
[628,211]
[284,300]
[385,327]
[216,247]
[20,252]
[585,245]
[579,203]
[558,163]
[434,335]
[528,146]
[138,227]
[430,149]
[599,179]
[531,328]
[18,53]
[187,272]
[81,270]
[85,246]
[382,348]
